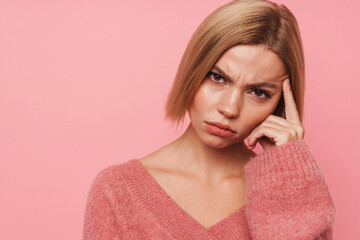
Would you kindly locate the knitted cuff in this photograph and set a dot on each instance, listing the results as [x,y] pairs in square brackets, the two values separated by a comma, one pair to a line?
[289,163]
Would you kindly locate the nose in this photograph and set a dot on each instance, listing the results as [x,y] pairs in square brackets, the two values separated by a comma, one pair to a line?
[230,103]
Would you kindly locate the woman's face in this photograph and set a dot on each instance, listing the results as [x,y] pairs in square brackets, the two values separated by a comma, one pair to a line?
[241,90]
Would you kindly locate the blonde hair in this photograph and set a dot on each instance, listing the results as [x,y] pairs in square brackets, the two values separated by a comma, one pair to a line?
[239,22]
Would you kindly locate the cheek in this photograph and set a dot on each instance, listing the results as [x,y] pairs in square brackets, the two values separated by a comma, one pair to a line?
[204,99]
[254,118]
[195,108]
[256,114]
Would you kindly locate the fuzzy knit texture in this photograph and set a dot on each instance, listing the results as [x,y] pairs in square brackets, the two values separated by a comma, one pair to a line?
[286,198]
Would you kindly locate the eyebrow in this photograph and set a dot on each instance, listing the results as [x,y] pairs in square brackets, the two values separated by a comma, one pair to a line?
[256,85]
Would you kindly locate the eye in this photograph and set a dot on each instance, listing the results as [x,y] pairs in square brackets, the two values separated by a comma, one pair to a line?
[217,78]
[261,94]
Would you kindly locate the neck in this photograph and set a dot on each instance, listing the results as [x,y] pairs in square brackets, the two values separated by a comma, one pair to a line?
[209,163]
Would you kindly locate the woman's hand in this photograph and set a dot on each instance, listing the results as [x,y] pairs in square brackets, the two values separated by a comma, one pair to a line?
[276,130]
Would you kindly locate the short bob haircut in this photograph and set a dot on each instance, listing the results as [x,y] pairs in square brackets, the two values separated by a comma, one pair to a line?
[258,22]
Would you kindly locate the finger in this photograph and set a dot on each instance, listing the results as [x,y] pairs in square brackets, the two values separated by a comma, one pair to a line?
[282,124]
[268,132]
[276,119]
[276,136]
[278,126]
[291,112]
[265,143]
[273,119]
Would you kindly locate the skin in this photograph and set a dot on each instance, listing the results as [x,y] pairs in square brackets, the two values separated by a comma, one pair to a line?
[246,111]
[204,173]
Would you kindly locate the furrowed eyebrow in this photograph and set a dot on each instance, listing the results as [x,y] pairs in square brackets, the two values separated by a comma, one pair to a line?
[255,85]
[262,84]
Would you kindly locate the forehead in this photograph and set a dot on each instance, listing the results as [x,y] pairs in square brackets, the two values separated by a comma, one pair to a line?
[253,63]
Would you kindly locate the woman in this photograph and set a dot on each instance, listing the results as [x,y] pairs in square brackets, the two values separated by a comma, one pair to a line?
[241,78]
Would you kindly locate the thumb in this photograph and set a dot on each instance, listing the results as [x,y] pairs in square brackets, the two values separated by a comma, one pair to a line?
[266,143]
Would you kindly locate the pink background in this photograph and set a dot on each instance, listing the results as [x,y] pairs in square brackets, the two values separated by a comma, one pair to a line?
[83,85]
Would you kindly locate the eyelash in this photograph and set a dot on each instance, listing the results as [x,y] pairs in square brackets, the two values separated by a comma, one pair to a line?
[267,94]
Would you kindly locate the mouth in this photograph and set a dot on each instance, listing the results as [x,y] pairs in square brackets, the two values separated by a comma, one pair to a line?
[221,126]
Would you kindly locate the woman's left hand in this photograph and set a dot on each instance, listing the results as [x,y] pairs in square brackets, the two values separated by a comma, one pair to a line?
[274,130]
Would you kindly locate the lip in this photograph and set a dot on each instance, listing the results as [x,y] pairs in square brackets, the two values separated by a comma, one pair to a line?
[218,129]
[222,126]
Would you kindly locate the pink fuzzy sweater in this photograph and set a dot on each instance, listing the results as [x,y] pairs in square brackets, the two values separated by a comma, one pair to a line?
[286,198]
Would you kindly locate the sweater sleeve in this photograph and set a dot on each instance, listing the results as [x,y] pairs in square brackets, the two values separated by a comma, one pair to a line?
[287,196]
[99,222]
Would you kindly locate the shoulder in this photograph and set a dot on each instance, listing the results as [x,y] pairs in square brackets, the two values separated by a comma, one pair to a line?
[159,159]
[112,171]
[110,192]
[112,176]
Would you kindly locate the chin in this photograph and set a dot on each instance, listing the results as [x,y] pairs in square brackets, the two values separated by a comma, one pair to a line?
[218,142]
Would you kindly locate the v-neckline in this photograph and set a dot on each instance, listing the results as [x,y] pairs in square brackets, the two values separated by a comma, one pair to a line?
[155,200]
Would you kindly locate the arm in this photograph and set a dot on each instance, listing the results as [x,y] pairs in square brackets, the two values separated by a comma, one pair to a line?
[286,195]
[99,222]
